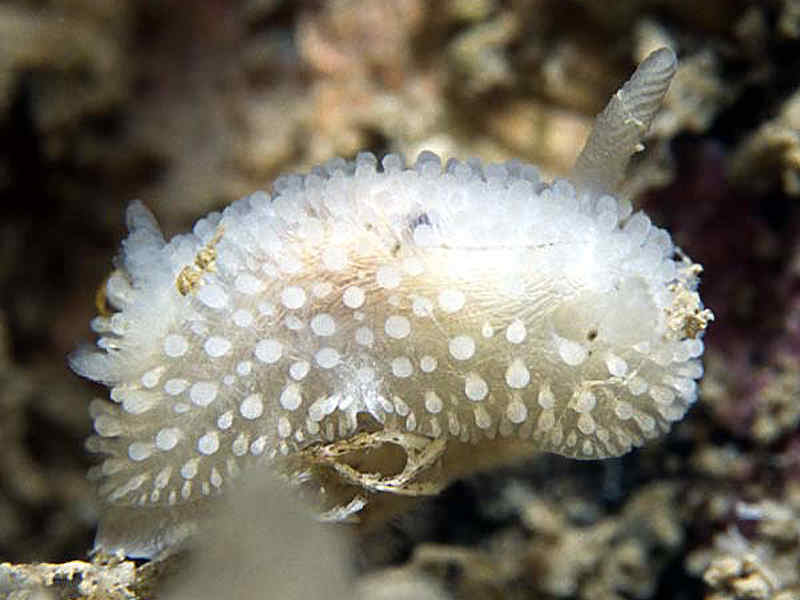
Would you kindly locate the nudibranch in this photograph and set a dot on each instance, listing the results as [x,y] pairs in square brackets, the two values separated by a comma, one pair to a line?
[461,303]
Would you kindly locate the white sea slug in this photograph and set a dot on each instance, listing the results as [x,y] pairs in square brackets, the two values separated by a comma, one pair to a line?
[461,304]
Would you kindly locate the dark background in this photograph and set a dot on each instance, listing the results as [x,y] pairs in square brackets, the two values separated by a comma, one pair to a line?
[189,105]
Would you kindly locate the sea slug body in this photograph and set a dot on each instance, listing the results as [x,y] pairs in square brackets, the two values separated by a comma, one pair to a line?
[468,301]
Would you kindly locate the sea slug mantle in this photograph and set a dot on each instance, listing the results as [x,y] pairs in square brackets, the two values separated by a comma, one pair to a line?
[466,303]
